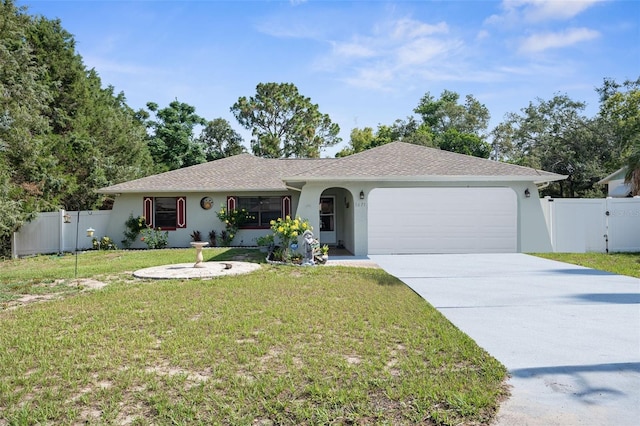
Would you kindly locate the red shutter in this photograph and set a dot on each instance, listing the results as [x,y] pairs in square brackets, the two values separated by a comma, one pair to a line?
[286,206]
[232,202]
[181,212]
[147,210]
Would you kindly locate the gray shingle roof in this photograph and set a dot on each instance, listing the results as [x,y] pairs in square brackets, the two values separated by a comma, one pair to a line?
[399,159]
[392,161]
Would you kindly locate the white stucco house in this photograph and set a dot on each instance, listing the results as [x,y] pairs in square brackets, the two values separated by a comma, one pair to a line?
[396,198]
[616,187]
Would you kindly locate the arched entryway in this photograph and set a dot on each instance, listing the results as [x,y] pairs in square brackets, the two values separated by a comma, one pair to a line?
[336,211]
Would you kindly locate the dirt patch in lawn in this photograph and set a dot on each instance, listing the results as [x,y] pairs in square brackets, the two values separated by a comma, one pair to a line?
[83,284]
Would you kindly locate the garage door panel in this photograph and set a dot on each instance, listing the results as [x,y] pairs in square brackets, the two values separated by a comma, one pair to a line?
[442,220]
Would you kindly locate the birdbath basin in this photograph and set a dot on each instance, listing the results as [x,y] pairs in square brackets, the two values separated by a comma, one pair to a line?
[198,245]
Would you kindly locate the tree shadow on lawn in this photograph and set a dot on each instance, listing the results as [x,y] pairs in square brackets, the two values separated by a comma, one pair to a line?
[236,254]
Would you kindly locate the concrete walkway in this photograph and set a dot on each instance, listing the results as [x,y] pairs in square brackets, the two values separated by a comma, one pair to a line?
[569,336]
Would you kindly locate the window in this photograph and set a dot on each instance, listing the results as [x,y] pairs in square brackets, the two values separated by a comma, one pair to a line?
[165,212]
[327,213]
[262,209]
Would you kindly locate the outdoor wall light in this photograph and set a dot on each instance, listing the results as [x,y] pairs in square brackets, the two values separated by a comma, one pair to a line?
[90,232]
[527,193]
[66,217]
[362,195]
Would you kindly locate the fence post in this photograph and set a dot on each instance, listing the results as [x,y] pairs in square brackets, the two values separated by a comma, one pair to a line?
[61,231]
[14,249]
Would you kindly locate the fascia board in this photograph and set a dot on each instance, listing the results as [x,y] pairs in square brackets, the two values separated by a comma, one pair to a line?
[535,179]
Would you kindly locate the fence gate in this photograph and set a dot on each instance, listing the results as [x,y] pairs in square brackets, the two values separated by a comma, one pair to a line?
[623,224]
[593,225]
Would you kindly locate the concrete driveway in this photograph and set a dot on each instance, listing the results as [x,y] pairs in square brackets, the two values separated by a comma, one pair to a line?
[569,336]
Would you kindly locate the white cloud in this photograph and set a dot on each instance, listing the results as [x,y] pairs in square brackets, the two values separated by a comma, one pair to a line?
[377,78]
[516,11]
[353,49]
[404,29]
[394,52]
[483,34]
[543,41]
[543,10]
[423,50]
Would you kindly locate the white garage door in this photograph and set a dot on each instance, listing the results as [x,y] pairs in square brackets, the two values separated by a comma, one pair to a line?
[442,220]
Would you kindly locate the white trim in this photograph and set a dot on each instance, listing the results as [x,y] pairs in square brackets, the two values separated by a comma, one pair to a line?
[613,176]
[440,178]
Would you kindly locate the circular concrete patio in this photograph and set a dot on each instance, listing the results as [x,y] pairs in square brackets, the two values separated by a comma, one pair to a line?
[187,271]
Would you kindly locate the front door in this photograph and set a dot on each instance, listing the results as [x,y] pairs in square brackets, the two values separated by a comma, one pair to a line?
[327,220]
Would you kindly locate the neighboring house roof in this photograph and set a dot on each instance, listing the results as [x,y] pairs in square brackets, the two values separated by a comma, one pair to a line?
[618,174]
[394,161]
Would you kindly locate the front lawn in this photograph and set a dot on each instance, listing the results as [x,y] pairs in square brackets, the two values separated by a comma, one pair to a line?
[617,263]
[284,345]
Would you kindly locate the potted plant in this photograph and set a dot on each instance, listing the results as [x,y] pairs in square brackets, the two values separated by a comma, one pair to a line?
[324,250]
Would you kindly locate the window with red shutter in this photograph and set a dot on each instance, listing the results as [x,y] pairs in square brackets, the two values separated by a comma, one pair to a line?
[165,212]
[147,210]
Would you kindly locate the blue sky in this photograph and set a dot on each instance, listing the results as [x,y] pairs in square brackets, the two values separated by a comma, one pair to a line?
[363,62]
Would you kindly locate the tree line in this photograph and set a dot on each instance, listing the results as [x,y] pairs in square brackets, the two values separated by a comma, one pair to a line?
[63,134]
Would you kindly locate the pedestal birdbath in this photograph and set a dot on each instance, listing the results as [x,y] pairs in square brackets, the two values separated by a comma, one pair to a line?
[198,245]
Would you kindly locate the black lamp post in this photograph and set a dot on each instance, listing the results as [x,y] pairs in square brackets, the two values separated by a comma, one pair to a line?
[90,231]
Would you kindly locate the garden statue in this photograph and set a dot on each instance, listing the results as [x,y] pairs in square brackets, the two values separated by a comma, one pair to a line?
[308,248]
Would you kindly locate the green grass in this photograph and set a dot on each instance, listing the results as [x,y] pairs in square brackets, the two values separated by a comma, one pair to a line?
[284,345]
[617,263]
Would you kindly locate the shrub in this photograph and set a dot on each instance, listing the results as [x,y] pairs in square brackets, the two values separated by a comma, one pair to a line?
[287,231]
[105,243]
[155,238]
[265,240]
[134,226]
[232,221]
[196,236]
[213,235]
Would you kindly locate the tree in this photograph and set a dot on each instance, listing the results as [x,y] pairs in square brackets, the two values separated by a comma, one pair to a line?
[464,143]
[409,131]
[633,169]
[452,125]
[446,113]
[62,135]
[284,123]
[502,145]
[25,161]
[219,140]
[360,140]
[172,142]
[620,114]
[554,136]
[94,138]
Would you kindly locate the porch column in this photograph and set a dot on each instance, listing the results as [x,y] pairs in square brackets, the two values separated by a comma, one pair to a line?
[308,206]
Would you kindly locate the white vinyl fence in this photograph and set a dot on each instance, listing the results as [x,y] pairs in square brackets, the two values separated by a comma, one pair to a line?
[593,225]
[575,226]
[48,233]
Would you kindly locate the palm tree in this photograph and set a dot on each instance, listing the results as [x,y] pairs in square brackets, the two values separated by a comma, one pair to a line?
[633,169]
